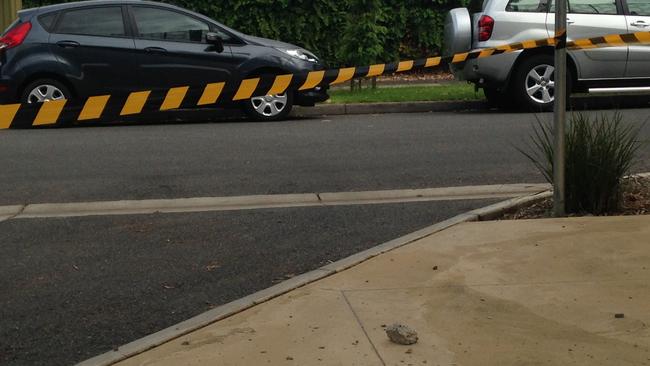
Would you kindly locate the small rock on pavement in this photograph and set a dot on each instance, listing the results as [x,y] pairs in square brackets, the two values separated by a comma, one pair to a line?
[619,316]
[402,334]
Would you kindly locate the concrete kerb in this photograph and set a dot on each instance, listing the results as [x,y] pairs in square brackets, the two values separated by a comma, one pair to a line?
[237,306]
[389,107]
[8,212]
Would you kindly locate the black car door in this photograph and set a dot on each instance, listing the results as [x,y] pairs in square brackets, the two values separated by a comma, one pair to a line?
[172,50]
[95,49]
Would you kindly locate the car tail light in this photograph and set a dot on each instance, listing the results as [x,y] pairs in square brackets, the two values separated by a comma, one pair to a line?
[485,28]
[15,36]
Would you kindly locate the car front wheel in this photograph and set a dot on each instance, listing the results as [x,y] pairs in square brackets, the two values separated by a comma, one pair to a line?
[270,107]
[534,83]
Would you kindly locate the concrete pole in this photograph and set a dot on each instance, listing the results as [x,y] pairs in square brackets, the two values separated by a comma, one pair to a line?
[559,119]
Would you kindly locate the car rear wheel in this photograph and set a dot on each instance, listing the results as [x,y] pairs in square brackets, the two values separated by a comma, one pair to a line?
[45,90]
[269,108]
[534,83]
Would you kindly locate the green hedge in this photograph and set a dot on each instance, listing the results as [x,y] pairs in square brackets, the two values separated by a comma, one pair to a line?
[340,31]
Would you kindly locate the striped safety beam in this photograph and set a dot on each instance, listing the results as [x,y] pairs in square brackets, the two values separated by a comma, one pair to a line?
[116,107]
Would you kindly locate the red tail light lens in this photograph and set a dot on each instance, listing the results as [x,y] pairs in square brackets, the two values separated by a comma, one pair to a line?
[485,28]
[15,36]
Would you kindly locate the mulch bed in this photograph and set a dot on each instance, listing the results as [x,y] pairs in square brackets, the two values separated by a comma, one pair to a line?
[636,201]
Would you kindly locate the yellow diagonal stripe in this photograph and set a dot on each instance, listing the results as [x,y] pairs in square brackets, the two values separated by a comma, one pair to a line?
[93,108]
[344,75]
[135,102]
[376,70]
[614,40]
[246,89]
[529,44]
[643,37]
[459,57]
[211,93]
[7,114]
[433,61]
[313,79]
[404,66]
[174,98]
[49,112]
[486,53]
[280,84]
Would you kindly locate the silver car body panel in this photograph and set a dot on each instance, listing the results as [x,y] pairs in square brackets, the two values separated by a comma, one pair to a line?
[598,64]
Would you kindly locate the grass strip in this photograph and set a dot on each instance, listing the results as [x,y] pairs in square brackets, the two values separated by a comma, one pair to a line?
[452,91]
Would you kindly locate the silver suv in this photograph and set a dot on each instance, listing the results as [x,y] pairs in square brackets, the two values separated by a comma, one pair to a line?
[526,77]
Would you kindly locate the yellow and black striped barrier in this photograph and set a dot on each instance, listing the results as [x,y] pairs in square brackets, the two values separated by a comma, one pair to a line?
[116,107]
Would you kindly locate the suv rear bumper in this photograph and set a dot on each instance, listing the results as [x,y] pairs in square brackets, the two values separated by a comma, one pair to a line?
[489,72]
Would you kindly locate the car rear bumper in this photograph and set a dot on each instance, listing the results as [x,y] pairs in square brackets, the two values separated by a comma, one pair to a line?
[489,72]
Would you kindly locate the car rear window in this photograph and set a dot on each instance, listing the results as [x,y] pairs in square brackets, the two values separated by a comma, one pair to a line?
[162,24]
[47,21]
[528,6]
[639,7]
[104,21]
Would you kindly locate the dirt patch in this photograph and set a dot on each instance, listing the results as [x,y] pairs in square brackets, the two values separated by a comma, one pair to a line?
[636,201]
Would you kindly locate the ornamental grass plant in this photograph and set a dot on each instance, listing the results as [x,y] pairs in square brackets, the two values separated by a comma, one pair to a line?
[600,152]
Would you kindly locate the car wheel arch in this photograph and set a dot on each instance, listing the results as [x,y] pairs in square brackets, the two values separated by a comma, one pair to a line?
[573,68]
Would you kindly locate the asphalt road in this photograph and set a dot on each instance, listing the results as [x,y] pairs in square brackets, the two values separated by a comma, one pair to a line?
[340,153]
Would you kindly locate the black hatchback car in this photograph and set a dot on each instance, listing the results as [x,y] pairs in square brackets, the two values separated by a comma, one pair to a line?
[117,46]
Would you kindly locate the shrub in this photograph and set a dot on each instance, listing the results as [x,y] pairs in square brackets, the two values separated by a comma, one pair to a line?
[599,153]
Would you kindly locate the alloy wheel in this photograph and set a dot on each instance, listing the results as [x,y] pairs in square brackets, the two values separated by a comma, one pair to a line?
[270,105]
[45,93]
[540,84]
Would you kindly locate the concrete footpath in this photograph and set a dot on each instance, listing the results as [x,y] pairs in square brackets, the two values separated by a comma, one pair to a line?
[540,292]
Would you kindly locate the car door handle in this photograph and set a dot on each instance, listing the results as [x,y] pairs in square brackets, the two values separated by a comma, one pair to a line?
[569,21]
[640,24]
[155,50]
[67,44]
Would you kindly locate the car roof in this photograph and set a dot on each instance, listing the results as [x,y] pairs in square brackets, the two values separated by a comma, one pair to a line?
[76,4]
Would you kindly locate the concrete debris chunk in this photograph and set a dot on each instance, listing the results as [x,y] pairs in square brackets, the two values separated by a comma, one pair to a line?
[401,334]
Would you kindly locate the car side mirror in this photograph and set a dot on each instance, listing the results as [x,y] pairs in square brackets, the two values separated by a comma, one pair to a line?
[216,41]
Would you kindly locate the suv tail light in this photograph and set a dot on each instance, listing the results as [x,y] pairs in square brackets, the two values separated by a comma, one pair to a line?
[15,36]
[485,28]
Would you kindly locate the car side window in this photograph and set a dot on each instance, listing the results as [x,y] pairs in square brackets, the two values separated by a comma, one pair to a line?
[639,7]
[527,6]
[161,24]
[104,21]
[593,7]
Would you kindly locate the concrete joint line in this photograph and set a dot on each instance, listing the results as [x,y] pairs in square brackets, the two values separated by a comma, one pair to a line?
[207,204]
[10,212]
[167,335]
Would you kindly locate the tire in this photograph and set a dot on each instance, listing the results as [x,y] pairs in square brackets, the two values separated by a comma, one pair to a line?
[43,90]
[269,108]
[533,83]
[497,98]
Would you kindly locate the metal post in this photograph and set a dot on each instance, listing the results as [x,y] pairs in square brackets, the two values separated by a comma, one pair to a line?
[559,163]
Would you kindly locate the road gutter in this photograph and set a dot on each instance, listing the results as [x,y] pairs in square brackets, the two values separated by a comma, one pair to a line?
[255,202]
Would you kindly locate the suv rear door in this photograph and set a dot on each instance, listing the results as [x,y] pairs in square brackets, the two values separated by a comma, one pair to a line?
[595,18]
[95,49]
[172,50]
[638,20]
